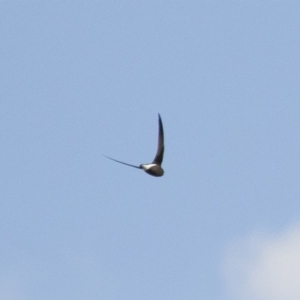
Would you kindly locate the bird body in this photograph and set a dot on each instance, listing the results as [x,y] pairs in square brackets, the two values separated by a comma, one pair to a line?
[153,169]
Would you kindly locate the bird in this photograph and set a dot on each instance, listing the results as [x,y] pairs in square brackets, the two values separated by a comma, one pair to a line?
[153,168]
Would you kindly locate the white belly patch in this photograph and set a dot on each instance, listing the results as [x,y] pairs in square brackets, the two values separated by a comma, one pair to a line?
[147,167]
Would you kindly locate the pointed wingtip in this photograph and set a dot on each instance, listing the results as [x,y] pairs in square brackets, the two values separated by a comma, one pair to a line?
[159,120]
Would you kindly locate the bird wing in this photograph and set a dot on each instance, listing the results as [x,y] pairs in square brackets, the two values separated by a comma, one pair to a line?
[122,162]
[161,147]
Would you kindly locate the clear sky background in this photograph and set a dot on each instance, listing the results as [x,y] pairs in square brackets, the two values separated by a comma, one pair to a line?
[84,78]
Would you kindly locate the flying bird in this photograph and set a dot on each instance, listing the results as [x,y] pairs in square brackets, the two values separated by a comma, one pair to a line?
[153,168]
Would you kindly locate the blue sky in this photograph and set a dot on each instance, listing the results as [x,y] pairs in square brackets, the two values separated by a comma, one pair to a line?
[84,78]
